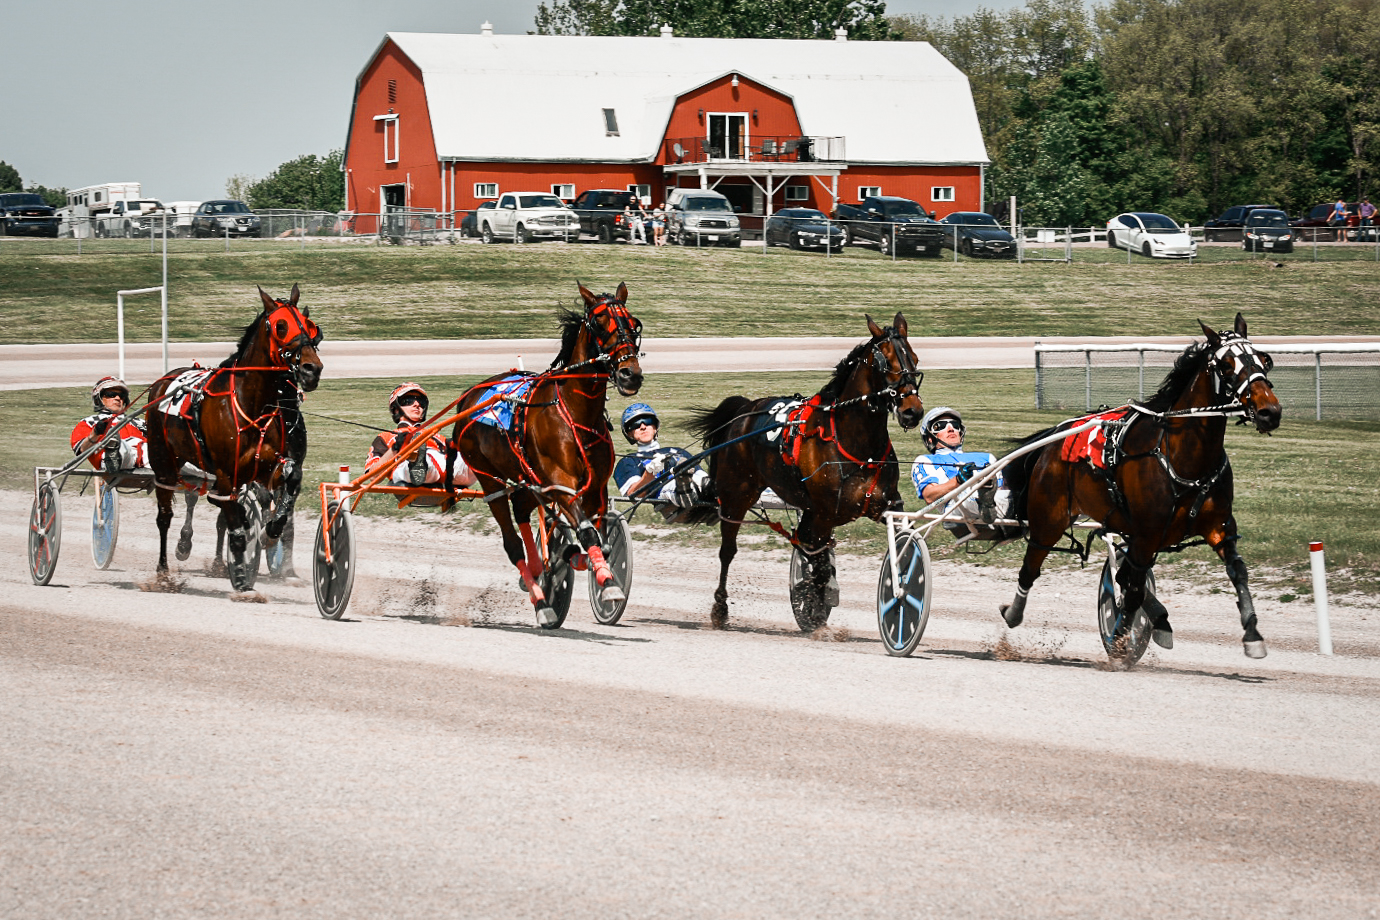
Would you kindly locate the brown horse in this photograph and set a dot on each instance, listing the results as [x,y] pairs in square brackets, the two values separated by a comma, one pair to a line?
[558,452]
[1168,480]
[235,427]
[831,457]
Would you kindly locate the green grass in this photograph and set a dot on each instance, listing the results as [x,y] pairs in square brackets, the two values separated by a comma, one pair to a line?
[359,291]
[1310,481]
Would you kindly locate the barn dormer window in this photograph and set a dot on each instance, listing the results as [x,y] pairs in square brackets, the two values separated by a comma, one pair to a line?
[610,123]
[390,137]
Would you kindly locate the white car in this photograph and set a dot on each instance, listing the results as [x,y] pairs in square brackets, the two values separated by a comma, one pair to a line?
[1151,235]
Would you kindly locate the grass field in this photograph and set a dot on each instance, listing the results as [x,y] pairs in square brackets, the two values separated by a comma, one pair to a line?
[470,291]
[1310,481]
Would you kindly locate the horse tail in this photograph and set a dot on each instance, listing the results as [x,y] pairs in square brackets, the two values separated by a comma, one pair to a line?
[1018,473]
[712,426]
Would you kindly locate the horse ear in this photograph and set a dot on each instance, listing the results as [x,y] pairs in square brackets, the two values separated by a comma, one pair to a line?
[873,328]
[584,292]
[295,294]
[899,324]
[1213,339]
[268,301]
[1241,326]
[622,293]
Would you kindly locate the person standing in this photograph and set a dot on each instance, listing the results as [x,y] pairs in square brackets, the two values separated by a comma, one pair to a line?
[659,225]
[1338,218]
[1367,213]
[636,225]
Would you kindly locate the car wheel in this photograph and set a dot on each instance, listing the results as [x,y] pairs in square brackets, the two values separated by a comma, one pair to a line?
[886,245]
[793,242]
[736,244]
[1111,240]
[487,234]
[605,234]
[523,234]
[966,247]
[1209,236]
[1145,250]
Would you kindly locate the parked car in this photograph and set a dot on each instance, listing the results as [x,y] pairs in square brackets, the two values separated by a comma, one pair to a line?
[469,224]
[601,213]
[802,228]
[1267,230]
[528,216]
[1316,224]
[1152,235]
[1227,228]
[24,213]
[894,224]
[698,217]
[225,218]
[979,235]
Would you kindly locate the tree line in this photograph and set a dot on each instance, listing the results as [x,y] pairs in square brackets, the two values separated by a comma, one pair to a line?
[1180,106]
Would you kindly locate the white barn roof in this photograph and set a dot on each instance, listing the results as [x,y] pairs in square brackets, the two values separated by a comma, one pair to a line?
[539,97]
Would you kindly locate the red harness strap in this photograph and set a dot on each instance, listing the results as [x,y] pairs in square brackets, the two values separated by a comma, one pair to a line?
[804,421]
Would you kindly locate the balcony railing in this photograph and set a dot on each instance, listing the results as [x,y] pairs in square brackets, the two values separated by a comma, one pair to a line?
[792,148]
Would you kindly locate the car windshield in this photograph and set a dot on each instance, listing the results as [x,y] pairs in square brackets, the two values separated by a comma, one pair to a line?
[904,209]
[1266,219]
[704,203]
[1158,223]
[984,220]
[20,200]
[803,214]
[539,201]
[227,207]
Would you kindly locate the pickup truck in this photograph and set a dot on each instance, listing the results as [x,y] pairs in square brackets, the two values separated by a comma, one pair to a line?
[527,216]
[1227,228]
[133,218]
[601,213]
[894,224]
[27,213]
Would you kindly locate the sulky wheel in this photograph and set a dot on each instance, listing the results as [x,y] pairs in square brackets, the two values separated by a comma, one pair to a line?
[903,611]
[333,579]
[557,577]
[45,533]
[1124,642]
[618,552]
[810,606]
[105,523]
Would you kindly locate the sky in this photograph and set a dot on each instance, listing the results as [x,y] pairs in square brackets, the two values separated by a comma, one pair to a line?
[180,95]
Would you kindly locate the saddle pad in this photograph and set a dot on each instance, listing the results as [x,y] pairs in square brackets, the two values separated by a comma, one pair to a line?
[771,419]
[1090,445]
[192,383]
[500,414]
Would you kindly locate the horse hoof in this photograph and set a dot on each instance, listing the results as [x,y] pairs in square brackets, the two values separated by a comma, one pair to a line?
[184,549]
[831,594]
[1254,648]
[611,594]
[546,617]
[718,616]
[1012,616]
[1164,638]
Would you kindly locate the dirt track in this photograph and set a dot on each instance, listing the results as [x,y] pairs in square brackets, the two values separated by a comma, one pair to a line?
[181,755]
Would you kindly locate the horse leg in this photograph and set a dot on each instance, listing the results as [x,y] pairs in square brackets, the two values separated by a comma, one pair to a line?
[236,540]
[502,511]
[728,548]
[1049,512]
[218,564]
[523,506]
[1131,576]
[1223,541]
[184,537]
[588,535]
[813,542]
[164,519]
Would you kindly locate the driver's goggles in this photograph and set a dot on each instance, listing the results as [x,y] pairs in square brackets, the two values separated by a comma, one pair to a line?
[111,394]
[411,399]
[940,424]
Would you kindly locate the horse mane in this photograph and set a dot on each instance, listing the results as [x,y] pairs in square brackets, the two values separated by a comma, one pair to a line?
[834,388]
[245,339]
[1186,367]
[571,322]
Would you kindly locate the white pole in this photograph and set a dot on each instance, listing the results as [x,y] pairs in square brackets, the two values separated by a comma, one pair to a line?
[120,325]
[343,477]
[1315,553]
[164,292]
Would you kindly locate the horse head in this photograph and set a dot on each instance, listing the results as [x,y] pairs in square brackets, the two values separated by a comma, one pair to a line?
[1240,372]
[895,364]
[615,336]
[291,339]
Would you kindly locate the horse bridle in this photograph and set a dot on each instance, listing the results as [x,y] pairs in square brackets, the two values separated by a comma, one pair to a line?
[627,333]
[1250,366]
[909,377]
[286,350]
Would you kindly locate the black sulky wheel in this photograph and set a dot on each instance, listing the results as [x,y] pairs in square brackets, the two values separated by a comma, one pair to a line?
[810,606]
[618,552]
[45,533]
[557,578]
[903,611]
[245,571]
[105,524]
[333,579]
[1124,639]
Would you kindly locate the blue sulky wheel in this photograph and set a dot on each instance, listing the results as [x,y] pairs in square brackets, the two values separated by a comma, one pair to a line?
[618,552]
[903,612]
[105,523]
[558,578]
[1122,642]
[45,533]
[334,580]
[273,555]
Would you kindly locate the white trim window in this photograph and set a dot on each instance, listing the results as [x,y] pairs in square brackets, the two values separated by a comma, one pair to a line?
[563,191]
[797,193]
[643,192]
[942,193]
[390,137]
[486,190]
[869,191]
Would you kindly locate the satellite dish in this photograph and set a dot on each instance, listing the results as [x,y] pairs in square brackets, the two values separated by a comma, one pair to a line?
[680,151]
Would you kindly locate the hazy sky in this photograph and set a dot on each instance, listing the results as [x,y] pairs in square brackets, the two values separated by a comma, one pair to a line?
[182,94]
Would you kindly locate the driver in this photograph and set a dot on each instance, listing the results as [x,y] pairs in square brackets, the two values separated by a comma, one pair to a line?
[110,398]
[637,471]
[408,404]
[947,466]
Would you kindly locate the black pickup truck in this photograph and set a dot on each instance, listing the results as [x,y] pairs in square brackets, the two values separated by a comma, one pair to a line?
[601,213]
[896,225]
[24,213]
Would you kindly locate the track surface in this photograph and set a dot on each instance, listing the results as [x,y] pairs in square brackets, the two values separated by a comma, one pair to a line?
[435,755]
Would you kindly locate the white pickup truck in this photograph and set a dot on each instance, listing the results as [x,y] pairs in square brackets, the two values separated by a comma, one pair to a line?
[527,216]
[135,217]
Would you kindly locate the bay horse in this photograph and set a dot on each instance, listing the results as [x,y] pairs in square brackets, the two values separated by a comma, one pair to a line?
[236,428]
[831,457]
[558,453]
[1168,480]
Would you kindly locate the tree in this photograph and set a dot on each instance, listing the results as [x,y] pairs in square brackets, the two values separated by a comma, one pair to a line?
[865,20]
[56,197]
[237,186]
[310,182]
[9,178]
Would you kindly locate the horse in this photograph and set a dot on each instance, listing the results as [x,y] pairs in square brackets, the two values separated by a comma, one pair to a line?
[1168,480]
[235,428]
[558,453]
[831,457]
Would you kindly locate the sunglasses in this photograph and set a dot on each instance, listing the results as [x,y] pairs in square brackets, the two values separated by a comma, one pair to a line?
[639,423]
[111,394]
[412,399]
[940,424]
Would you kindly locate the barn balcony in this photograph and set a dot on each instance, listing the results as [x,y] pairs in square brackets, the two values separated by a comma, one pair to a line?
[793,148]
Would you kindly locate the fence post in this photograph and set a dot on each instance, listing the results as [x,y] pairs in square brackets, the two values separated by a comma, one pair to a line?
[1317,385]
[1039,378]
[1068,244]
[955,243]
[1087,380]
[1316,562]
[1141,363]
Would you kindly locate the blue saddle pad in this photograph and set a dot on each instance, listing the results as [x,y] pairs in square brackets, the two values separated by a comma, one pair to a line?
[768,420]
[500,414]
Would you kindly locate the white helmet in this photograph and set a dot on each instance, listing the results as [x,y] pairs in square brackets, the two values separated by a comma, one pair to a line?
[931,442]
[104,384]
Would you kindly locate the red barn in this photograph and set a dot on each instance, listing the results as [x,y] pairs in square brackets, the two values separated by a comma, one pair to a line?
[444,122]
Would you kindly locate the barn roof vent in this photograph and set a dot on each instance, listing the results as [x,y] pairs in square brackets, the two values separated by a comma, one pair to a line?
[840,34]
[667,31]
[487,28]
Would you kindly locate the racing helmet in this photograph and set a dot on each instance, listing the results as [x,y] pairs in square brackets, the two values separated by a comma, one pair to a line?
[931,442]
[404,389]
[636,412]
[107,383]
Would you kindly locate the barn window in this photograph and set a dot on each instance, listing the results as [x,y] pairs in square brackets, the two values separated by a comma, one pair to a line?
[390,137]
[869,191]
[643,192]
[942,193]
[610,123]
[563,191]
[392,92]
[797,193]
[486,190]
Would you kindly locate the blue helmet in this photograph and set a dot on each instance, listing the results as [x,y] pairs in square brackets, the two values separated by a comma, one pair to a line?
[635,412]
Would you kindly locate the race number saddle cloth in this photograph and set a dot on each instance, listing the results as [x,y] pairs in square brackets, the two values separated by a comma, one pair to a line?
[790,421]
[510,390]
[190,385]
[1090,446]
